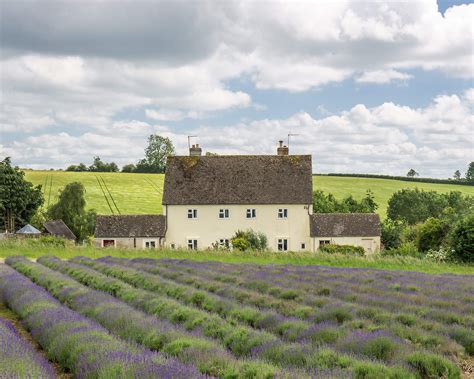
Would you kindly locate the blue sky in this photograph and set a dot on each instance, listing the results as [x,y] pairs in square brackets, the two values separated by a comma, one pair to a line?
[369,87]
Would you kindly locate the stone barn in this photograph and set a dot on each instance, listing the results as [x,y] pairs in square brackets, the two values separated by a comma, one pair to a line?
[130,231]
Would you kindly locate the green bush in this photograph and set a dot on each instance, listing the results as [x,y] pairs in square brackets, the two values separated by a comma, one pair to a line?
[406,249]
[432,366]
[462,239]
[47,241]
[392,232]
[342,249]
[249,240]
[432,233]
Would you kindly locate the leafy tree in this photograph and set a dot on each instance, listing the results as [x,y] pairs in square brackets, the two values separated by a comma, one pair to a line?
[71,209]
[457,175]
[129,168]
[72,167]
[100,166]
[412,173]
[392,232]
[462,239]
[158,150]
[81,167]
[432,233]
[19,199]
[470,172]
[414,206]
[323,203]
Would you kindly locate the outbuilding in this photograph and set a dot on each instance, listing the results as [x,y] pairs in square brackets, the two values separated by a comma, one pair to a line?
[58,228]
[357,229]
[130,231]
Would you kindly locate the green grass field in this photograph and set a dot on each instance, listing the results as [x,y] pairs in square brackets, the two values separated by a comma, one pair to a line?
[141,193]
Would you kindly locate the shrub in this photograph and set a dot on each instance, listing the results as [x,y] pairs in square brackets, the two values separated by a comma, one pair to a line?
[368,370]
[392,232]
[377,345]
[465,337]
[442,254]
[249,240]
[342,249]
[47,241]
[432,233]
[462,239]
[406,249]
[432,366]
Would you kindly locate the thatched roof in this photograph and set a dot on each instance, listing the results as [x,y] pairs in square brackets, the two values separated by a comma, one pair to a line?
[130,226]
[59,229]
[345,225]
[238,179]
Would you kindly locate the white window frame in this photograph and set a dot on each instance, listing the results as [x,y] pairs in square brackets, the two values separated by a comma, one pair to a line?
[282,213]
[224,213]
[224,242]
[251,213]
[192,243]
[149,243]
[282,244]
[192,213]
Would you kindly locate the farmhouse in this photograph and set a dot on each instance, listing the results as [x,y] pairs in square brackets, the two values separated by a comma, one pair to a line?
[137,231]
[207,199]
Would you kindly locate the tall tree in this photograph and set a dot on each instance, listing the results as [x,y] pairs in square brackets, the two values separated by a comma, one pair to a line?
[71,209]
[158,150]
[19,199]
[457,175]
[412,173]
[470,172]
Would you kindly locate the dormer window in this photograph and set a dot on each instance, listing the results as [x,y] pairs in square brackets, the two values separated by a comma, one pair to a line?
[251,213]
[223,213]
[283,213]
[192,213]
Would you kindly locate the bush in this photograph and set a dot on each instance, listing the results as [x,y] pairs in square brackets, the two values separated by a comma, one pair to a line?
[342,249]
[462,239]
[249,240]
[432,233]
[392,232]
[432,366]
[406,249]
[439,255]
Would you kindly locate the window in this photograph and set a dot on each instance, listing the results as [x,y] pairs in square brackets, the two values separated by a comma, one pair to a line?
[282,244]
[303,246]
[324,242]
[192,213]
[251,213]
[150,244]
[108,243]
[283,213]
[192,244]
[224,243]
[223,213]
[173,246]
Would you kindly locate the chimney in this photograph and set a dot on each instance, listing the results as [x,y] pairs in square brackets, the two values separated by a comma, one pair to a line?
[195,151]
[282,149]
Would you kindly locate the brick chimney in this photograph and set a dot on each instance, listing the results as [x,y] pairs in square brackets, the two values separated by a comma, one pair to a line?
[195,151]
[282,149]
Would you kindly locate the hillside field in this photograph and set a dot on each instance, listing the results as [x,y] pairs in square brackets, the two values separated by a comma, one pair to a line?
[141,193]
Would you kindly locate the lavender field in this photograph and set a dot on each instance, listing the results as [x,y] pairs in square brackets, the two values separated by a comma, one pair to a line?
[145,318]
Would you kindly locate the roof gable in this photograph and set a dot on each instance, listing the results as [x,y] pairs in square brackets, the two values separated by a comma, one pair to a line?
[238,179]
[345,225]
[28,229]
[59,228]
[128,226]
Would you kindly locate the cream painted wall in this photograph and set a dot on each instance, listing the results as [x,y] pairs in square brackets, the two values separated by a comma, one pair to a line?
[208,228]
[127,242]
[370,244]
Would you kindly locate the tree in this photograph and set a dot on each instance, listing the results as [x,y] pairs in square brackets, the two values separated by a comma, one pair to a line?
[129,168]
[100,166]
[72,167]
[158,150]
[392,232]
[323,203]
[470,172]
[462,239]
[457,175]
[71,209]
[19,199]
[412,173]
[432,233]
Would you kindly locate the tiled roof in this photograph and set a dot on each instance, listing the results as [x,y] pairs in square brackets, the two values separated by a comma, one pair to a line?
[345,225]
[130,226]
[59,228]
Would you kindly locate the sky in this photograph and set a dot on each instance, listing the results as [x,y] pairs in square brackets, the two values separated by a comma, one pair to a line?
[365,86]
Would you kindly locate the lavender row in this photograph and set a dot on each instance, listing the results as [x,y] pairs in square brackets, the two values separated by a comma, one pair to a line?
[18,358]
[78,344]
[242,341]
[289,329]
[333,320]
[131,324]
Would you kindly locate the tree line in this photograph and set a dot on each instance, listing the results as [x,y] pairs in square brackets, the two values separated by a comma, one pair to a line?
[158,150]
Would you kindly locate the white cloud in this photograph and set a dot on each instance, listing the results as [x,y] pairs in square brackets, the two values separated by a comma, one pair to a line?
[382,139]
[382,77]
